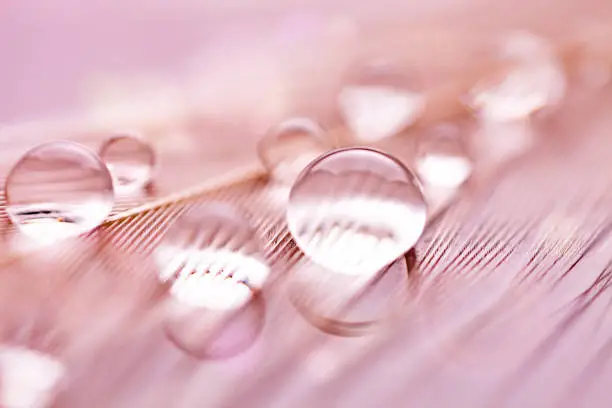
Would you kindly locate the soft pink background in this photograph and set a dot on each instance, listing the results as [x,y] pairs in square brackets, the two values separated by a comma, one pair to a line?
[50,49]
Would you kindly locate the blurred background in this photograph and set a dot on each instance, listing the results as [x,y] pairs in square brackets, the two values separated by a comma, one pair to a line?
[512,267]
[61,57]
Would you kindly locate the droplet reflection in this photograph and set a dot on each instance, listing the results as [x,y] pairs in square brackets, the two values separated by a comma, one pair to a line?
[290,146]
[211,258]
[354,211]
[379,101]
[130,160]
[58,190]
[347,306]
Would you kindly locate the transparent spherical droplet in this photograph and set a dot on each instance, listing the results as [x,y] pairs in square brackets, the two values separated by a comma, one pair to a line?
[212,260]
[442,159]
[534,79]
[354,211]
[130,160]
[58,190]
[379,101]
[290,146]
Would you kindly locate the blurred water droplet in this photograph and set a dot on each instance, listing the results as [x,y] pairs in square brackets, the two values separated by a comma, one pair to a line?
[524,45]
[130,160]
[378,102]
[290,146]
[203,334]
[58,190]
[345,305]
[211,258]
[442,163]
[354,211]
[28,379]
[533,80]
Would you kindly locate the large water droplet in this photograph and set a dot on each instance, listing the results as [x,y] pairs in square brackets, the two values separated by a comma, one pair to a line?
[379,101]
[211,258]
[533,80]
[290,146]
[442,163]
[130,160]
[58,190]
[354,211]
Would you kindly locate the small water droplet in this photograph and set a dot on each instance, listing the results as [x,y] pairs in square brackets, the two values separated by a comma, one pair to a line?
[211,258]
[354,211]
[58,190]
[290,146]
[533,80]
[442,159]
[130,160]
[442,163]
[379,102]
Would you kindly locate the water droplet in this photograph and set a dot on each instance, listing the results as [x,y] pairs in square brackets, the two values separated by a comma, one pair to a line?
[354,211]
[442,163]
[58,190]
[348,306]
[378,102]
[211,258]
[533,80]
[28,378]
[290,147]
[130,160]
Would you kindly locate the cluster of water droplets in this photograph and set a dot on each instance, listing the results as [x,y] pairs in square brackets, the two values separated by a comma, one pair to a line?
[62,189]
[352,211]
[355,211]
